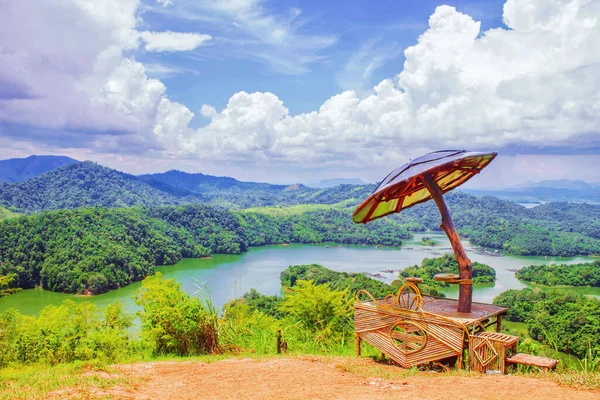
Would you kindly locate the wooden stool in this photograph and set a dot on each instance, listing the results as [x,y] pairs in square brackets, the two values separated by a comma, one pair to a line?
[413,280]
[489,351]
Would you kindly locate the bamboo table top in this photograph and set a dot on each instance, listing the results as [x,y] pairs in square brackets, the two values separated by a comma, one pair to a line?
[447,308]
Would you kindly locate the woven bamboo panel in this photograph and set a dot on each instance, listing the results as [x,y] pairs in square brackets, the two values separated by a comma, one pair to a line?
[489,350]
[421,338]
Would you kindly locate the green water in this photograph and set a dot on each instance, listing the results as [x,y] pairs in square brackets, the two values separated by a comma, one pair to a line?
[229,276]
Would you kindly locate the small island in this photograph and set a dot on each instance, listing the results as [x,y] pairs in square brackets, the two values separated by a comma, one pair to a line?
[447,264]
[584,274]
[428,241]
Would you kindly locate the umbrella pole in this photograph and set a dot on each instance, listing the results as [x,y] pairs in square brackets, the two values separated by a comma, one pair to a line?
[465,293]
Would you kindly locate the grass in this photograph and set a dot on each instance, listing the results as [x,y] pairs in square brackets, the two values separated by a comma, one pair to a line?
[568,362]
[75,381]
[279,211]
[7,214]
[577,379]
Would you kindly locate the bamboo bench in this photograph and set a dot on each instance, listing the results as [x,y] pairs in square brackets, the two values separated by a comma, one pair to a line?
[536,361]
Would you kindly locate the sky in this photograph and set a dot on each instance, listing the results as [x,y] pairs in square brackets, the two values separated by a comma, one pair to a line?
[297,91]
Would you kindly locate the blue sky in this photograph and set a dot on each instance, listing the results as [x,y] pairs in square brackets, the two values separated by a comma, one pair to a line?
[211,74]
[289,91]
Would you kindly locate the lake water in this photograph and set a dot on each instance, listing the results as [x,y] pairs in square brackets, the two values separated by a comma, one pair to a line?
[230,276]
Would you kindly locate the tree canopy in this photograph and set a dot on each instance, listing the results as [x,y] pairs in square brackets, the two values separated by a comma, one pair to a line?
[584,274]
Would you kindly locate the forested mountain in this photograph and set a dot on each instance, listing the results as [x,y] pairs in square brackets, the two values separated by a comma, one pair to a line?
[99,249]
[201,183]
[86,184]
[552,229]
[231,193]
[545,191]
[20,169]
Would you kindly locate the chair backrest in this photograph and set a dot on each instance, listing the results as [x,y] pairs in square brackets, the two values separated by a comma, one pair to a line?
[409,297]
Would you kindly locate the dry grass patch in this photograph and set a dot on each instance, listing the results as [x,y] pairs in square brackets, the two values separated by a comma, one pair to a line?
[73,381]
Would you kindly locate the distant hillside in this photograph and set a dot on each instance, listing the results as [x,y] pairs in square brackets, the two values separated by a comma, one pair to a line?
[552,229]
[86,184]
[571,184]
[201,183]
[545,191]
[328,183]
[90,184]
[20,169]
[231,193]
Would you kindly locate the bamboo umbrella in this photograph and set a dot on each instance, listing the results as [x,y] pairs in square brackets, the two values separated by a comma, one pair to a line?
[424,178]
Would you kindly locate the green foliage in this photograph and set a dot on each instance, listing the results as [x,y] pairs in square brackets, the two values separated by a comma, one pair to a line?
[447,264]
[174,322]
[7,214]
[315,215]
[245,328]
[552,229]
[585,274]
[95,250]
[319,308]
[352,282]
[6,283]
[319,226]
[427,241]
[520,303]
[64,334]
[567,322]
[266,304]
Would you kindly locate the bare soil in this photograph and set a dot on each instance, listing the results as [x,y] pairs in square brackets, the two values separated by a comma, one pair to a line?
[324,378]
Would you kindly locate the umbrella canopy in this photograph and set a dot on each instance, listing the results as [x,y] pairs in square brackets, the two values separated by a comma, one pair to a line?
[404,186]
[424,178]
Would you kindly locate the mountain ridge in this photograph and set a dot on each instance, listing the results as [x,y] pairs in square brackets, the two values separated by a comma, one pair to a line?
[15,170]
[86,184]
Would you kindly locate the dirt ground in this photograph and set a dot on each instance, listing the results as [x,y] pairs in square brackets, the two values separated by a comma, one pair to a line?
[323,378]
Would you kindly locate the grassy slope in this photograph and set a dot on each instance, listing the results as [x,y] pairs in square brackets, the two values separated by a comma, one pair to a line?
[6,214]
[279,211]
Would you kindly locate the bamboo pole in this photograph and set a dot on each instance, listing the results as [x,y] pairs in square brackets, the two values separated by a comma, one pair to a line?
[465,292]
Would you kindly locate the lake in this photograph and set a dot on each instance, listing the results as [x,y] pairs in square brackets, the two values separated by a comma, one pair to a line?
[230,276]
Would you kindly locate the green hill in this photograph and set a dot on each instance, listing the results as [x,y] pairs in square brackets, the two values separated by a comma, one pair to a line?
[231,193]
[86,184]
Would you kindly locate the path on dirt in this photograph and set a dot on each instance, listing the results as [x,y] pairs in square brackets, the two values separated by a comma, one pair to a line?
[323,378]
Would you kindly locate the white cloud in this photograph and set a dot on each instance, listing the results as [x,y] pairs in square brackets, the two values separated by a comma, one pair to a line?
[166,71]
[66,71]
[173,41]
[208,111]
[533,84]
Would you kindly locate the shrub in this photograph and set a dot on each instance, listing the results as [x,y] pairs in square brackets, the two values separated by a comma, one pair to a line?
[173,322]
